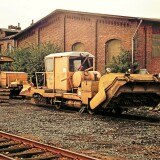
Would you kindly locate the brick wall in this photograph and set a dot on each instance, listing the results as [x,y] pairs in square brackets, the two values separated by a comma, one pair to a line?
[108,31]
[4,44]
[80,29]
[27,38]
[66,29]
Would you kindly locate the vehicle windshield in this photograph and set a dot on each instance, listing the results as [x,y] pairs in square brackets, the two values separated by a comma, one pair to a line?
[80,63]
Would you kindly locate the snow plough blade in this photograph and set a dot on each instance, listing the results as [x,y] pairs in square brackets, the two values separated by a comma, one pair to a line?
[127,90]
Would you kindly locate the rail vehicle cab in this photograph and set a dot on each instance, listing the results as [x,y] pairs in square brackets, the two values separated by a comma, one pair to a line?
[61,69]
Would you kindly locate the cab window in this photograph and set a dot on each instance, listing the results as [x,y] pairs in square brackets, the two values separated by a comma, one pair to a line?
[49,65]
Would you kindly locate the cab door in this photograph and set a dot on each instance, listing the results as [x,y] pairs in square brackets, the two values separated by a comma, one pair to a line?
[49,67]
[61,73]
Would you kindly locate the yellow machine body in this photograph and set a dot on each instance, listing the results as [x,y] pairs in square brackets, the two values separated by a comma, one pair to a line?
[127,90]
[11,82]
[12,79]
[70,78]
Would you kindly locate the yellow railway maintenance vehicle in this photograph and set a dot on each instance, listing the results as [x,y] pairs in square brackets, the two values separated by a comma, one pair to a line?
[70,79]
[11,82]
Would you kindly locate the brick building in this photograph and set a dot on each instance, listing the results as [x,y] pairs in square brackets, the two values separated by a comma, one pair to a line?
[6,37]
[100,34]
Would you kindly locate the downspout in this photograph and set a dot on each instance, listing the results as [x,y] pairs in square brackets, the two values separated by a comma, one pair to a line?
[145,48]
[96,42]
[38,36]
[15,43]
[64,31]
[133,41]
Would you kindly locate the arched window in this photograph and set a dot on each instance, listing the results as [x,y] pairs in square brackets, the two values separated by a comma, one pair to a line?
[78,47]
[113,48]
[9,47]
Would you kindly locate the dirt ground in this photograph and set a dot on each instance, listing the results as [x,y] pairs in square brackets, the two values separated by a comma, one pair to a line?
[131,136]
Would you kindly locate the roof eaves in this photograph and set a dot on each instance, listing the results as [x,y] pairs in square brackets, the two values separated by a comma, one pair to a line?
[8,37]
[33,25]
[9,30]
[83,13]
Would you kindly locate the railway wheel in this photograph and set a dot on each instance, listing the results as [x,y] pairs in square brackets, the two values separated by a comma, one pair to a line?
[39,99]
[58,105]
[90,111]
[118,111]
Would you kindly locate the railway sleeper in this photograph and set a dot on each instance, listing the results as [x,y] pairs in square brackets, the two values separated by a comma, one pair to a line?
[4,157]
[27,154]
[21,148]
[21,151]
[4,140]
[8,144]
[14,149]
[45,156]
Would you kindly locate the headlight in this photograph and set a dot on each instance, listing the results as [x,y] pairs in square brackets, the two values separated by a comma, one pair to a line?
[108,70]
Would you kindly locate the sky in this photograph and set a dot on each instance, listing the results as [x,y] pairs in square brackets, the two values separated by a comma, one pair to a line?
[13,12]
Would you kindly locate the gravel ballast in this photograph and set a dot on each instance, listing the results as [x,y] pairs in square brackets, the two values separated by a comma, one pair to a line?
[134,137]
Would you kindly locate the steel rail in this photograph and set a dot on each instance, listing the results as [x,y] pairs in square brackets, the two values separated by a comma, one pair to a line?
[52,149]
[3,157]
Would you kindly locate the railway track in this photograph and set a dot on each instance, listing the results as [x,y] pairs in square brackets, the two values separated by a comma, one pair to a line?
[14,147]
[128,117]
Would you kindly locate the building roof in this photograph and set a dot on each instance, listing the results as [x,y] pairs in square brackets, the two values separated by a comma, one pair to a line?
[83,13]
[4,59]
[9,30]
[8,37]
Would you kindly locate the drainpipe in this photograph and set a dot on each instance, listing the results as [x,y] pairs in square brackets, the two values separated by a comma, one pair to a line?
[145,48]
[15,43]
[133,41]
[64,32]
[96,43]
[39,41]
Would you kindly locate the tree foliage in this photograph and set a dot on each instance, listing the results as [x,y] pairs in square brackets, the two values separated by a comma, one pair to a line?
[122,63]
[31,59]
